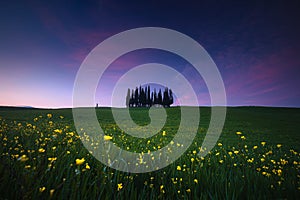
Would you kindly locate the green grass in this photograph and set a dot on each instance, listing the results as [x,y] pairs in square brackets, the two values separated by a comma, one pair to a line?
[235,169]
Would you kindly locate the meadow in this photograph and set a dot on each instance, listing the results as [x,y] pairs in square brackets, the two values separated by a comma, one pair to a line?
[256,157]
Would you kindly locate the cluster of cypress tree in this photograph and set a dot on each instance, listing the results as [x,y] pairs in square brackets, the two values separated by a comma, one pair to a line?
[143,97]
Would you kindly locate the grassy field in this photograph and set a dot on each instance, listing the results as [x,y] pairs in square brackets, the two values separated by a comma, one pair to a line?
[256,157]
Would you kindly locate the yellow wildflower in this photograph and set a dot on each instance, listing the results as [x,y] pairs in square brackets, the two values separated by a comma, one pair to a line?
[120,186]
[51,192]
[279,171]
[263,143]
[279,145]
[107,137]
[283,161]
[58,131]
[52,159]
[42,189]
[41,150]
[80,161]
[196,181]
[295,162]
[23,158]
[49,115]
[87,166]
[239,133]
[178,168]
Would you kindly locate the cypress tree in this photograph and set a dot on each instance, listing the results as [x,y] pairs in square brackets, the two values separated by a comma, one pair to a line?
[128,98]
[171,99]
[148,96]
[165,101]
[155,97]
[159,97]
[152,99]
[136,97]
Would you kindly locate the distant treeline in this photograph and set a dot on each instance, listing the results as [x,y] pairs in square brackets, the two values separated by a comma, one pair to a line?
[143,97]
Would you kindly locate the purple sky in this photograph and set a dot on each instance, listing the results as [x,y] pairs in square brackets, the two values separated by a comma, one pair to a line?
[255,45]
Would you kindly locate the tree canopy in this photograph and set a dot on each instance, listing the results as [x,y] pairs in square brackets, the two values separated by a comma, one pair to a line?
[144,97]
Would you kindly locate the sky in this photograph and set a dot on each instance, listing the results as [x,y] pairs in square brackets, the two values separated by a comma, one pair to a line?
[254,44]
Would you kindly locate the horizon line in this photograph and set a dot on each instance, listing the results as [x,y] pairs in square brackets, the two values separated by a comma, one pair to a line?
[228,106]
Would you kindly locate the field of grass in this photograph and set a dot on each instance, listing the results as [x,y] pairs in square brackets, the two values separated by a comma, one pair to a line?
[256,157]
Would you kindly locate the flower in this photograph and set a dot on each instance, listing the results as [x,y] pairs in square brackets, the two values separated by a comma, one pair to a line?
[41,150]
[263,143]
[120,186]
[279,145]
[239,133]
[178,168]
[49,115]
[42,189]
[219,144]
[80,161]
[243,137]
[188,190]
[52,159]
[255,147]
[279,171]
[164,133]
[58,131]
[295,162]
[23,158]
[196,181]
[51,192]
[87,166]
[107,137]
